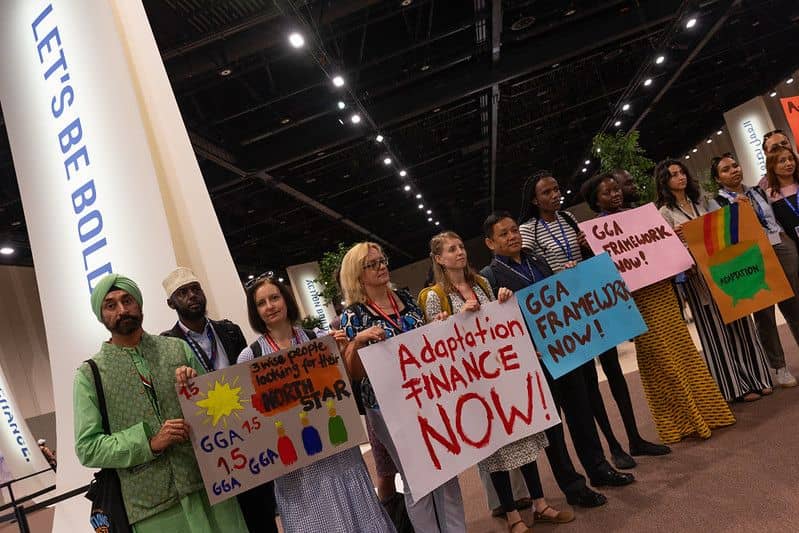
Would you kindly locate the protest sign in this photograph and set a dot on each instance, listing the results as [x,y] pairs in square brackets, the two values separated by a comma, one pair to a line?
[579,313]
[641,243]
[455,391]
[737,261]
[255,421]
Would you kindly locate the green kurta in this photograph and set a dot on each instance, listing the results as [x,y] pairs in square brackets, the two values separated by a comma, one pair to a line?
[131,447]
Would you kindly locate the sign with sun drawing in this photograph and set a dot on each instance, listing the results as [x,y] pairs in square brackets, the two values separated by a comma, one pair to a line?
[253,422]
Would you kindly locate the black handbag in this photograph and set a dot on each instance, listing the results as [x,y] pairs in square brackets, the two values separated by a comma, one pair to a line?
[108,514]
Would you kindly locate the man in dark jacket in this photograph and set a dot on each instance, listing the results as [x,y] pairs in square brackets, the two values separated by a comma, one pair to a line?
[216,344]
[515,269]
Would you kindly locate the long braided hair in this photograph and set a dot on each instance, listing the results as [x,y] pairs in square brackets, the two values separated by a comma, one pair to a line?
[528,209]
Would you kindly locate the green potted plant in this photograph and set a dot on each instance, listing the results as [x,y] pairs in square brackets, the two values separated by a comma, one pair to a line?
[622,151]
[328,265]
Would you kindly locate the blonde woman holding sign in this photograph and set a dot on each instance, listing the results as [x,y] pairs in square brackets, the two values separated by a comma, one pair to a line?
[331,495]
[375,312]
[458,289]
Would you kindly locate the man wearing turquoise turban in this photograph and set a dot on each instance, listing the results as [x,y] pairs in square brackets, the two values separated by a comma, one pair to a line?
[149,441]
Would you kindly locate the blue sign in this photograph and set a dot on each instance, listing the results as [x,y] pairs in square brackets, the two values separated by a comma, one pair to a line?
[579,313]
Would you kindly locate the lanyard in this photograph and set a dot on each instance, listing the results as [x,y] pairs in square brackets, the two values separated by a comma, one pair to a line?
[689,217]
[394,308]
[761,215]
[794,208]
[273,344]
[564,246]
[529,273]
[208,363]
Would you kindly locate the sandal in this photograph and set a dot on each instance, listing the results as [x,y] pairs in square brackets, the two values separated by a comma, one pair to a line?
[766,391]
[513,529]
[751,397]
[562,517]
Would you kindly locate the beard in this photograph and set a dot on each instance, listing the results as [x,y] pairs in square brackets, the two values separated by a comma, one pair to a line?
[125,324]
[187,313]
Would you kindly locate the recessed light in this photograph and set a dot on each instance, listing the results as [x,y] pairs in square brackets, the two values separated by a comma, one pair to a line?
[285,121]
[296,40]
[690,23]
[407,187]
[660,59]
[429,219]
[225,72]
[406,3]
[625,107]
[355,118]
[569,191]
[709,141]
[436,110]
[421,206]
[789,81]
[587,161]
[251,276]
[773,94]
[281,280]
[338,81]
[570,12]
[402,173]
[425,67]
[647,82]
[387,161]
[695,150]
[379,138]
[419,196]
[585,169]
[437,223]
[687,157]
[617,124]
[341,105]
[341,122]
[429,211]
[5,250]
[719,132]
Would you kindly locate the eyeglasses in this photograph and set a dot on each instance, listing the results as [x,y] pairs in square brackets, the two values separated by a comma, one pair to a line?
[269,274]
[376,264]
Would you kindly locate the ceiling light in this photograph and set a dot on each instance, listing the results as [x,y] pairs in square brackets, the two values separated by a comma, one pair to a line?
[355,118]
[407,187]
[585,169]
[5,250]
[437,222]
[569,191]
[647,82]
[660,59]
[406,3]
[587,161]
[429,219]
[570,12]
[251,276]
[429,211]
[296,40]
[387,161]
[419,196]
[379,138]
[281,280]
[617,124]
[425,67]
[341,105]
[341,122]
[338,81]
[625,107]
[719,132]
[421,206]
[402,173]
[709,141]
[695,150]
[690,23]
[687,157]
[789,81]
[598,150]
[285,121]
[773,94]
[225,72]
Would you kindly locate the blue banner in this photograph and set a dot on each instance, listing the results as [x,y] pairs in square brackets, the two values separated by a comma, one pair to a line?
[579,313]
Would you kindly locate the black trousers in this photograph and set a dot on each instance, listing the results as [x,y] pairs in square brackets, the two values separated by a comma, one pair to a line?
[618,387]
[571,394]
[501,482]
[258,508]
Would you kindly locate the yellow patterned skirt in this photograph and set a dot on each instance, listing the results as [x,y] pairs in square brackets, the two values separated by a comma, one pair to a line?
[683,397]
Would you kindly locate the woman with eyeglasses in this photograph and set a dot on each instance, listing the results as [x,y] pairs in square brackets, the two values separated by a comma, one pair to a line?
[458,289]
[782,185]
[553,234]
[375,312]
[728,174]
[733,352]
[331,495]
[682,396]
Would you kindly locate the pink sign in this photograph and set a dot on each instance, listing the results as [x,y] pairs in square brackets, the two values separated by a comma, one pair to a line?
[641,243]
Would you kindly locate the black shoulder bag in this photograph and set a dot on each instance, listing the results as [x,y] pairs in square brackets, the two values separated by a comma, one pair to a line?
[108,514]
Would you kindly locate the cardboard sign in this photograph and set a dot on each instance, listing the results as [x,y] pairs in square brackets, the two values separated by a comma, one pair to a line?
[455,391]
[737,261]
[579,313]
[255,421]
[641,243]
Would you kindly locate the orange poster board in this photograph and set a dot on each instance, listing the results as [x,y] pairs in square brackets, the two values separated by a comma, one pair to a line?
[790,107]
[734,255]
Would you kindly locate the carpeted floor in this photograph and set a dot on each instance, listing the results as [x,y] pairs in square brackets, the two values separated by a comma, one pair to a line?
[744,478]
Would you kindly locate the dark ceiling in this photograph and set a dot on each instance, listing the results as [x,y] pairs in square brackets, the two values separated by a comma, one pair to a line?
[470,96]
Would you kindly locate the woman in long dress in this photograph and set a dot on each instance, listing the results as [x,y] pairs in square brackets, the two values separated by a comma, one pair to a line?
[733,352]
[335,494]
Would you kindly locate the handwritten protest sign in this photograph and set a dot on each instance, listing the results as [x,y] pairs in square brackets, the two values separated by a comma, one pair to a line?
[735,257]
[641,243]
[579,313]
[455,391]
[255,421]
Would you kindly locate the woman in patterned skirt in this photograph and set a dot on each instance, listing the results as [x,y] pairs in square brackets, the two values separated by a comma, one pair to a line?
[682,396]
[733,352]
[334,495]
[465,292]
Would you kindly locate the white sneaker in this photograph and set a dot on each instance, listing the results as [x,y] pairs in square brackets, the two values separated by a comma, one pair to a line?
[784,378]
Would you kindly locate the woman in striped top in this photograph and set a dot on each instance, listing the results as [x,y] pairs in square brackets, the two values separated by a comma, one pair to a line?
[553,234]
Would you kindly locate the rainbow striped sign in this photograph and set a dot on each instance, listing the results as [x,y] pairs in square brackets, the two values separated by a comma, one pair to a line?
[720,229]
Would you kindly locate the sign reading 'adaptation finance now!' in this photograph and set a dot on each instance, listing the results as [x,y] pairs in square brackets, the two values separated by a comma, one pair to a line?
[255,421]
